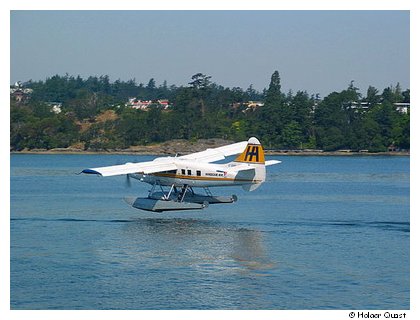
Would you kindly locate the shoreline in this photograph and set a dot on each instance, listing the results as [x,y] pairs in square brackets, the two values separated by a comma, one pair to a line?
[183,147]
[292,153]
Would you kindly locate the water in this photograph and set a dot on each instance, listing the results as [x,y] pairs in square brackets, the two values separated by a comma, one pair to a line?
[321,233]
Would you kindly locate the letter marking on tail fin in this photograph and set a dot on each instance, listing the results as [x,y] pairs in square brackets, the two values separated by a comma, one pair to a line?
[251,154]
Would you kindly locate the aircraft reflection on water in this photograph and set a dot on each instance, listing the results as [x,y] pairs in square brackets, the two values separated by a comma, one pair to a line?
[202,244]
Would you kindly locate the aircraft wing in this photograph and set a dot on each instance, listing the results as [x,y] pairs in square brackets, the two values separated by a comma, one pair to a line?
[168,163]
[157,165]
[216,154]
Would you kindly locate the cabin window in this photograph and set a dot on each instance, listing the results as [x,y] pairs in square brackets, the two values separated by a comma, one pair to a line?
[183,172]
[189,172]
[198,173]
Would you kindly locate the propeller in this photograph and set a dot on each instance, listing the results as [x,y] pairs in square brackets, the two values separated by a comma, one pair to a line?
[128,181]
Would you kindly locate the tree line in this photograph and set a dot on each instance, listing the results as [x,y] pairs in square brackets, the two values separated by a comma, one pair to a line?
[203,109]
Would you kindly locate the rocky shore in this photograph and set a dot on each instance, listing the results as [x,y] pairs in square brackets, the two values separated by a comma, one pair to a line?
[182,147]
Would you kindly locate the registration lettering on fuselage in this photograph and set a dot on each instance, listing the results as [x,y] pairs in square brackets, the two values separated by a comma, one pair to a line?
[213,174]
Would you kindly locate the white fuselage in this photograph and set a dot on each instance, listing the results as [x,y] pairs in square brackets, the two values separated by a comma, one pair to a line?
[195,174]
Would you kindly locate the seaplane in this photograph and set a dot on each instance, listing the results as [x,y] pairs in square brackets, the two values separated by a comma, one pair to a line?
[173,179]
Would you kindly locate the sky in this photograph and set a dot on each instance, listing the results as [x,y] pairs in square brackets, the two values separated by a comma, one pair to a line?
[316,51]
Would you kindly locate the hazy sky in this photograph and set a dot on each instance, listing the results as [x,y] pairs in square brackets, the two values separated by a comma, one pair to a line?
[316,51]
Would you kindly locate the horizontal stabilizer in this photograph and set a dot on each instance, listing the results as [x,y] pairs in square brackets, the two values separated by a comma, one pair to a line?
[271,162]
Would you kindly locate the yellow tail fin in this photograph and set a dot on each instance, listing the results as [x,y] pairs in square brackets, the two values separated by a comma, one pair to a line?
[253,153]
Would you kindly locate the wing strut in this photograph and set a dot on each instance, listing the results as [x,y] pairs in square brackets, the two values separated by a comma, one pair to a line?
[167,196]
[181,195]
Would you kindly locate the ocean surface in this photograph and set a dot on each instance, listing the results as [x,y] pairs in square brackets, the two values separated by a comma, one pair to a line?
[321,233]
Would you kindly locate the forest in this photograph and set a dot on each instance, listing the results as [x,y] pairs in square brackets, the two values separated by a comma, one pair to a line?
[94,115]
